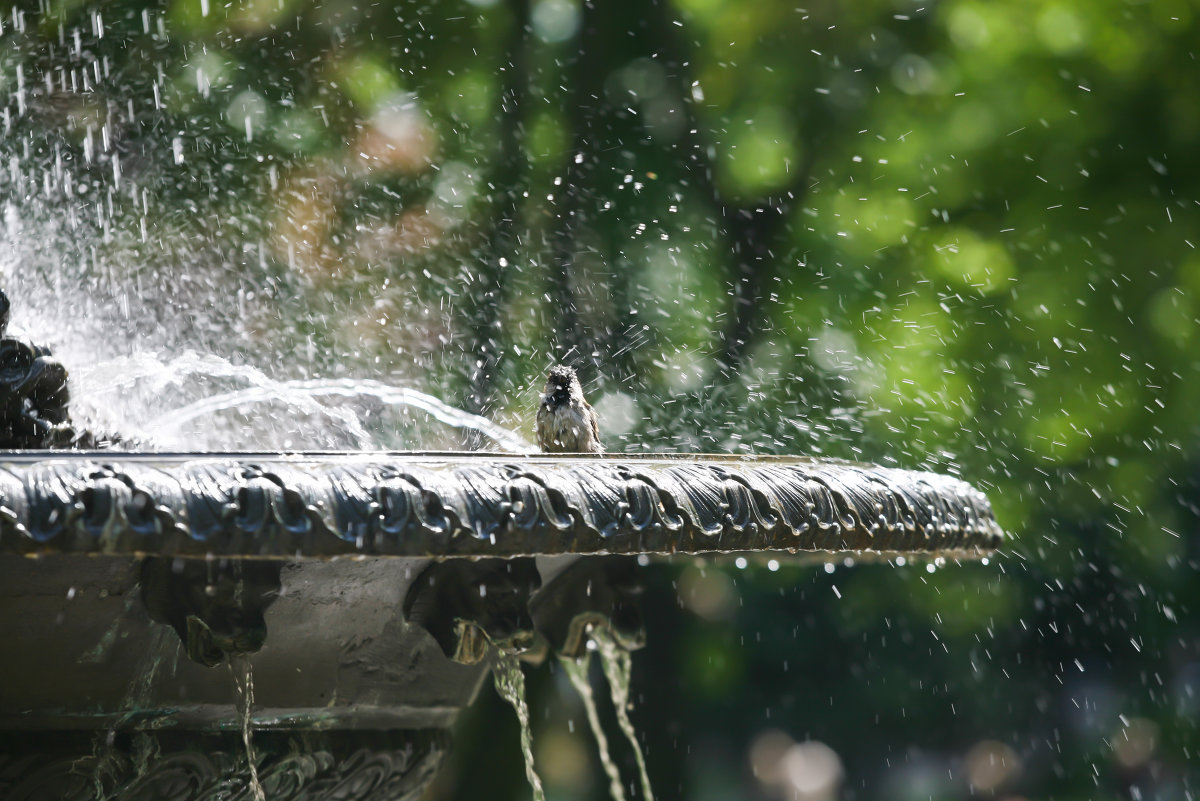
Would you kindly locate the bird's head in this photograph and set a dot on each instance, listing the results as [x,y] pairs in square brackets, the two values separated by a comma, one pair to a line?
[560,382]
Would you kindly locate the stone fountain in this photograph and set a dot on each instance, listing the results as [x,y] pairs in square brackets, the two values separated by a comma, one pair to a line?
[363,590]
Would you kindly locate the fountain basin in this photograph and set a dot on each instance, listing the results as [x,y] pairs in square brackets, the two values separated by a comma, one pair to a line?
[129,581]
[143,593]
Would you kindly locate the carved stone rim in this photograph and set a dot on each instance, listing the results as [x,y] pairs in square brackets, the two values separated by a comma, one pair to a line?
[442,504]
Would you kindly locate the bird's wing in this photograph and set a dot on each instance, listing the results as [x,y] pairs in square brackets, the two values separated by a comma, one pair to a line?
[543,427]
[595,421]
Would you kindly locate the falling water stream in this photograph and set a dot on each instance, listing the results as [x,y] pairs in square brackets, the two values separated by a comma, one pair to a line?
[510,684]
[243,684]
[617,664]
[577,673]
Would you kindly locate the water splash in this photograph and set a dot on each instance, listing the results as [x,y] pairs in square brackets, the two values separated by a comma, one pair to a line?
[510,684]
[155,385]
[577,673]
[348,388]
[153,377]
[617,664]
[243,685]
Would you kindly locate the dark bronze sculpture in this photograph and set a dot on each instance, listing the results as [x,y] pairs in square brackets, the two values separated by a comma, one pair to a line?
[34,397]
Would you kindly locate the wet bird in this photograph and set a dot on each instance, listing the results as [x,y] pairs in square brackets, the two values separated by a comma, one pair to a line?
[566,422]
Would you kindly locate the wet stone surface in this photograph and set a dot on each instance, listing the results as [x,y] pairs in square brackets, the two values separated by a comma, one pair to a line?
[477,505]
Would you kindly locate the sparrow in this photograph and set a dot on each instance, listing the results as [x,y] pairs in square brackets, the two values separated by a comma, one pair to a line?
[566,422]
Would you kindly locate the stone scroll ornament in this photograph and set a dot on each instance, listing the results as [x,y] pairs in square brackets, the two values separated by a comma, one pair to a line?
[476,505]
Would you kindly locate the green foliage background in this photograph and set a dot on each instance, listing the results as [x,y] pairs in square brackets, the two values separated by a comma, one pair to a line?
[955,235]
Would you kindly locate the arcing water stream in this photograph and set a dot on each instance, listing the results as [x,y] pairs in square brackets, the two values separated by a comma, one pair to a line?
[157,378]
[394,396]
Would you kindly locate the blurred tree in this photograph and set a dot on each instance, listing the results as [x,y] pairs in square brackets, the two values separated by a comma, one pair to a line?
[958,235]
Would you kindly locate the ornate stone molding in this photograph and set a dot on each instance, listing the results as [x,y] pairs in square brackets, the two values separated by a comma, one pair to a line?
[323,504]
